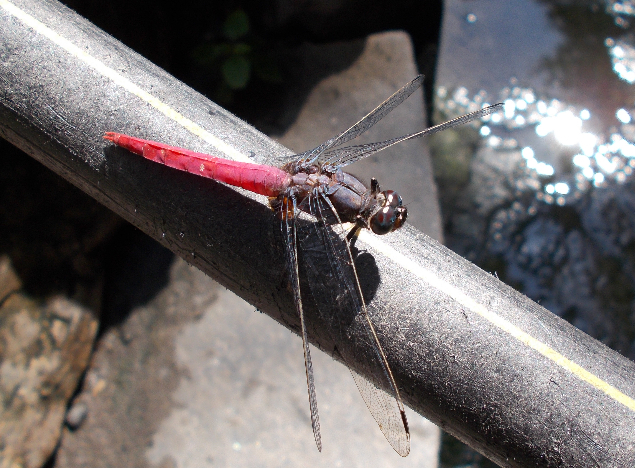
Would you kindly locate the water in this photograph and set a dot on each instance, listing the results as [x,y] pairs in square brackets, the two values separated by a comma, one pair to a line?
[543,195]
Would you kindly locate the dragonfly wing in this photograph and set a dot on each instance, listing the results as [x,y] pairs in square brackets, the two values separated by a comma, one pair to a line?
[289,230]
[366,122]
[330,270]
[341,157]
[388,413]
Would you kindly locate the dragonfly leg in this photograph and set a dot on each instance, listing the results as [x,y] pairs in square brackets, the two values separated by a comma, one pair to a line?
[352,235]
[374,186]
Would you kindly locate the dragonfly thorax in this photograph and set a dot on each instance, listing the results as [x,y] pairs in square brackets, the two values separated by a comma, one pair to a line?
[381,212]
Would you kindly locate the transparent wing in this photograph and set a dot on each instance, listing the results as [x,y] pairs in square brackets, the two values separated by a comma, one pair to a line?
[360,127]
[330,271]
[289,209]
[343,156]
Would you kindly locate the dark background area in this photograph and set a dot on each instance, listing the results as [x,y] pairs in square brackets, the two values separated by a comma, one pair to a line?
[199,41]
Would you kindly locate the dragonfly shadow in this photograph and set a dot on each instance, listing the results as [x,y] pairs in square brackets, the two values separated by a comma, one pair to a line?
[367,272]
[328,278]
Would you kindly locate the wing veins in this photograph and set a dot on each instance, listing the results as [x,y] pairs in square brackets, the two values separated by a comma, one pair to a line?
[349,154]
[396,433]
[365,123]
[289,228]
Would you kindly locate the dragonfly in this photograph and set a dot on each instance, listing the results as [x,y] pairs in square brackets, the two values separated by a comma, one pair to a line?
[314,183]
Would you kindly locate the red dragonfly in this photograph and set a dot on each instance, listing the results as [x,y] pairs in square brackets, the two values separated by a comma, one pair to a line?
[313,182]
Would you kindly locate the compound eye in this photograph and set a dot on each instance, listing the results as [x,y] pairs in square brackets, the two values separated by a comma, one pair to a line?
[392,215]
[392,198]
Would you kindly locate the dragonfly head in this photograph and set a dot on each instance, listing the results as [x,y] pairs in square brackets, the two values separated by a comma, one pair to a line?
[390,216]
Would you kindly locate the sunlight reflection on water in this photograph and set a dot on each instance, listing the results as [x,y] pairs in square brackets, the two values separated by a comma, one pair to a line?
[596,157]
[560,142]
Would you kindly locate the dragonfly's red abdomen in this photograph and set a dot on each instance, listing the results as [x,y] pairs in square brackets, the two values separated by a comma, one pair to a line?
[261,179]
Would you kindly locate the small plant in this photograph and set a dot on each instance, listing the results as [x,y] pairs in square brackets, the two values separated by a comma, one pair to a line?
[237,57]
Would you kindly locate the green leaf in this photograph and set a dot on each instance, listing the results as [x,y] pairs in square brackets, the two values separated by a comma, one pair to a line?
[236,25]
[236,71]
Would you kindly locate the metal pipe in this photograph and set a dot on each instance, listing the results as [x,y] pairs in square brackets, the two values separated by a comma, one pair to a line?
[485,363]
